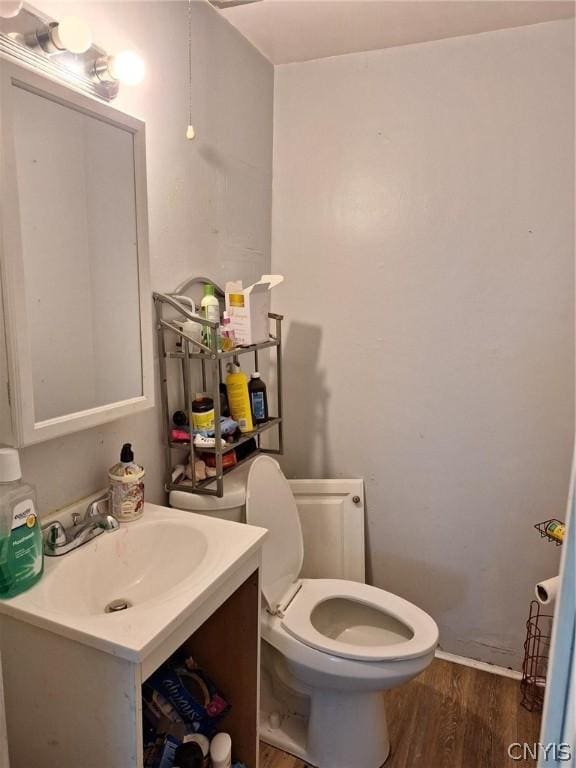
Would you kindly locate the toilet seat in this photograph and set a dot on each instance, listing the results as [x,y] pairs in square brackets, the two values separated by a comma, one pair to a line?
[297,620]
[377,636]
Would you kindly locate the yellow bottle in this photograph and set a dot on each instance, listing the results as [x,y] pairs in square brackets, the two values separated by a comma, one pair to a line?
[238,398]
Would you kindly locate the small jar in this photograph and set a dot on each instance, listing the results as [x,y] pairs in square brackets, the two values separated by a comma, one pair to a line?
[203,413]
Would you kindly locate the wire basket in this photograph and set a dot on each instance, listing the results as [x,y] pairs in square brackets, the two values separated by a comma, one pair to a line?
[536,654]
[542,529]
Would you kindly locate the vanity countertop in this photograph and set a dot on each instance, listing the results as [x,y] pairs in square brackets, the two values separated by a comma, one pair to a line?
[167,565]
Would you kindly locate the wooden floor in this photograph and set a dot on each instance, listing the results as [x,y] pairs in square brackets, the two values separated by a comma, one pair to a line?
[450,717]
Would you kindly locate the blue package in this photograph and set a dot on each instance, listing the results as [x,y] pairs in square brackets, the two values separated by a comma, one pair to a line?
[227,427]
[192,694]
[171,744]
[161,753]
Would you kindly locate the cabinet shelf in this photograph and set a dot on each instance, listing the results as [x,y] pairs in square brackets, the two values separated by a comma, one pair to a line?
[207,362]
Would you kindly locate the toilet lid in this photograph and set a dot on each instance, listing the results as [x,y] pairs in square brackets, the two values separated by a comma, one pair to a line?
[270,504]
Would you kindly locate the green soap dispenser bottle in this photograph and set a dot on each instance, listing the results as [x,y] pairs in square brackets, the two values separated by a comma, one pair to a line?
[21,546]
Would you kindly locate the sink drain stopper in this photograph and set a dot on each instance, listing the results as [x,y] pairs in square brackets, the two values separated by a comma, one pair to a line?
[118,605]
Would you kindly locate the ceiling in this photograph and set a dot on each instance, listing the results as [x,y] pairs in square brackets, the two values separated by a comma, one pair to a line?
[286,31]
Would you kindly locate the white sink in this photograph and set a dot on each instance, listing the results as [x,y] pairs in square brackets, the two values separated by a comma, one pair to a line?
[137,563]
[163,566]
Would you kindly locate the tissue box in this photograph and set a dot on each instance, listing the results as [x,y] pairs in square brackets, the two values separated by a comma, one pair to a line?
[248,309]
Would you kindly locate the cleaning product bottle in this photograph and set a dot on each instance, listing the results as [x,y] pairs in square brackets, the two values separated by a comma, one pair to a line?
[126,487]
[258,399]
[238,398]
[21,548]
[210,311]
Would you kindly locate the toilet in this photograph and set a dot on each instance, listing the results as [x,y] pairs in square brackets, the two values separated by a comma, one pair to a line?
[330,647]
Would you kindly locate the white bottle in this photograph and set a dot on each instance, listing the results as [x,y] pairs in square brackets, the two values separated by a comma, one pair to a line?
[221,751]
[191,329]
[210,311]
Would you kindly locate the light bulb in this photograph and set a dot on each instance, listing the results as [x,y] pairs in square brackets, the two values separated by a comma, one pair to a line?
[190,132]
[71,34]
[127,67]
[10,8]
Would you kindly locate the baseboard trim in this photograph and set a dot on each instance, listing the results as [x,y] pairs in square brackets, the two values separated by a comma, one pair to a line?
[484,666]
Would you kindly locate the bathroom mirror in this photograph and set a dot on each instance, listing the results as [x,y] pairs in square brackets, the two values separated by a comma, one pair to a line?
[75,272]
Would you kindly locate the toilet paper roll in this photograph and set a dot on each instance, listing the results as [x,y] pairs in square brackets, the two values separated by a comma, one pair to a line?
[546,590]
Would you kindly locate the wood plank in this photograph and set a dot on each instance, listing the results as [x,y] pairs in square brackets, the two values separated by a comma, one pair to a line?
[450,717]
[235,673]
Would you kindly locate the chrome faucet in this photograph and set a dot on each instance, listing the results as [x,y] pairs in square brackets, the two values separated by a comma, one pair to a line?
[59,540]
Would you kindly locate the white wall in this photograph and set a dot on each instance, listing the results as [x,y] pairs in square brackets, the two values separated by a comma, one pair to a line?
[423,217]
[209,200]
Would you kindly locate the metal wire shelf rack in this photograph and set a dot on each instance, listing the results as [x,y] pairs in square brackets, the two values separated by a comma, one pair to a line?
[191,352]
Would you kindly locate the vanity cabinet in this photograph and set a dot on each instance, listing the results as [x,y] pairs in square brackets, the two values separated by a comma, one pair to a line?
[76,701]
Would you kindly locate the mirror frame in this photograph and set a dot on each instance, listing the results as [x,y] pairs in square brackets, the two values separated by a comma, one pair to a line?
[25,430]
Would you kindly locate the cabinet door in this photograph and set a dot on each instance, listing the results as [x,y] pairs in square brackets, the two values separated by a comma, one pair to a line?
[332,517]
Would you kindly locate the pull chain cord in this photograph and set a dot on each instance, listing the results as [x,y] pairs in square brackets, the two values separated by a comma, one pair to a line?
[190,132]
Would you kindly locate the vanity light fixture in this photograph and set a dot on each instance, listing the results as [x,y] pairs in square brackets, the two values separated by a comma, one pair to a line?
[62,49]
[10,8]
[125,67]
[70,34]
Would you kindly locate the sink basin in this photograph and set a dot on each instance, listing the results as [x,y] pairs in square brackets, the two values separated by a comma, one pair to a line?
[134,564]
[159,569]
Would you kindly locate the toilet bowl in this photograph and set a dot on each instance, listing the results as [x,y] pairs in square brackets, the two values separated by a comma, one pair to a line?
[337,643]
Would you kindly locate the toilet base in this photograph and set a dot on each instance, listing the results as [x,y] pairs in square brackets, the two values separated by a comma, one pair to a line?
[347,730]
[327,728]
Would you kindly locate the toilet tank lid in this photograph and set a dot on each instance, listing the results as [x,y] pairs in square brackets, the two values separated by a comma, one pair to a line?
[234,494]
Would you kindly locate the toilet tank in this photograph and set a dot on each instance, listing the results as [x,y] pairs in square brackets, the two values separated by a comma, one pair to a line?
[231,506]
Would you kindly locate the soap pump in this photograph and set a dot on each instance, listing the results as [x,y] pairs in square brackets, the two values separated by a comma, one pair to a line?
[126,486]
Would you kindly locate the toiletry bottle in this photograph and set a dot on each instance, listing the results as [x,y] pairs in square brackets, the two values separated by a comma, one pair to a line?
[258,399]
[193,330]
[210,311]
[126,487]
[224,407]
[204,744]
[227,341]
[239,398]
[189,755]
[221,751]
[21,546]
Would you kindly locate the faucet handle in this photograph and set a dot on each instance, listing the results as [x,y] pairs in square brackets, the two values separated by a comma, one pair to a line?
[111,523]
[94,509]
[54,534]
